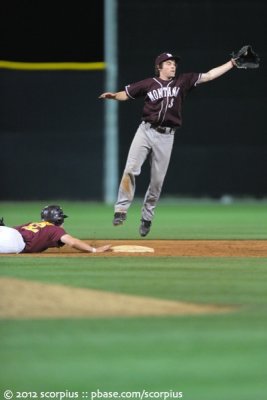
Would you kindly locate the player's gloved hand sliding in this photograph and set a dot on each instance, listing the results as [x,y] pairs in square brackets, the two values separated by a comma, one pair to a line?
[246,57]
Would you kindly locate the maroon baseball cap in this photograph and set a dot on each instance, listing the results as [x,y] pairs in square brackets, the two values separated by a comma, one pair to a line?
[166,56]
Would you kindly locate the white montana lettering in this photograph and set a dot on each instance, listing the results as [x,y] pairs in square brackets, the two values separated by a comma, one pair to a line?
[163,92]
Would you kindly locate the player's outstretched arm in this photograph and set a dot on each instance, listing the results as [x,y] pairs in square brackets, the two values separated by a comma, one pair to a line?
[82,246]
[121,96]
[216,72]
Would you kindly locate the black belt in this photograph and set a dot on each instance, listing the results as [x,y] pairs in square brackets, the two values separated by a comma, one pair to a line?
[162,129]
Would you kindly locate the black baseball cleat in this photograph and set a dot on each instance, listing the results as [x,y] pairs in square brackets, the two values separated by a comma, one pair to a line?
[144,227]
[119,218]
[2,222]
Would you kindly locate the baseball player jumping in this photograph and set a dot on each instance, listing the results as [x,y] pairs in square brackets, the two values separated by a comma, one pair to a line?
[35,237]
[162,115]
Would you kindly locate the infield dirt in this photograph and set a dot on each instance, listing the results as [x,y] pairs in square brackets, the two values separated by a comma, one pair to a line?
[23,299]
[178,248]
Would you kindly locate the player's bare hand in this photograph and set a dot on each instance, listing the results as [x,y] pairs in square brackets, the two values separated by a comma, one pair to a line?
[107,95]
[102,249]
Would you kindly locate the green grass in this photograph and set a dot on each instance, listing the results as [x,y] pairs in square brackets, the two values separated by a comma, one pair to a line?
[205,357]
[180,220]
[208,357]
[202,280]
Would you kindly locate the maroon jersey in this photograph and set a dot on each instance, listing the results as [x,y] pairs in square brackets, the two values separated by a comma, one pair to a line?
[39,236]
[163,99]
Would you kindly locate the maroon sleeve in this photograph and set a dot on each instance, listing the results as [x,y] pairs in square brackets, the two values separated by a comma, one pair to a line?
[138,89]
[56,233]
[189,80]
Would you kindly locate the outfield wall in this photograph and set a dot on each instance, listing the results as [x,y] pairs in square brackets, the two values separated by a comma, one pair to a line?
[52,123]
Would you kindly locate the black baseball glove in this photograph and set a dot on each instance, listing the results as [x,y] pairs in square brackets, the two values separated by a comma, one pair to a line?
[2,222]
[246,58]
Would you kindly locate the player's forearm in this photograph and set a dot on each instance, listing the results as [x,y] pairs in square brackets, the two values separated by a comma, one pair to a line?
[77,244]
[120,96]
[216,72]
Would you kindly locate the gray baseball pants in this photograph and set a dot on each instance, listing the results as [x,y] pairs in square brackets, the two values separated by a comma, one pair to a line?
[158,146]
